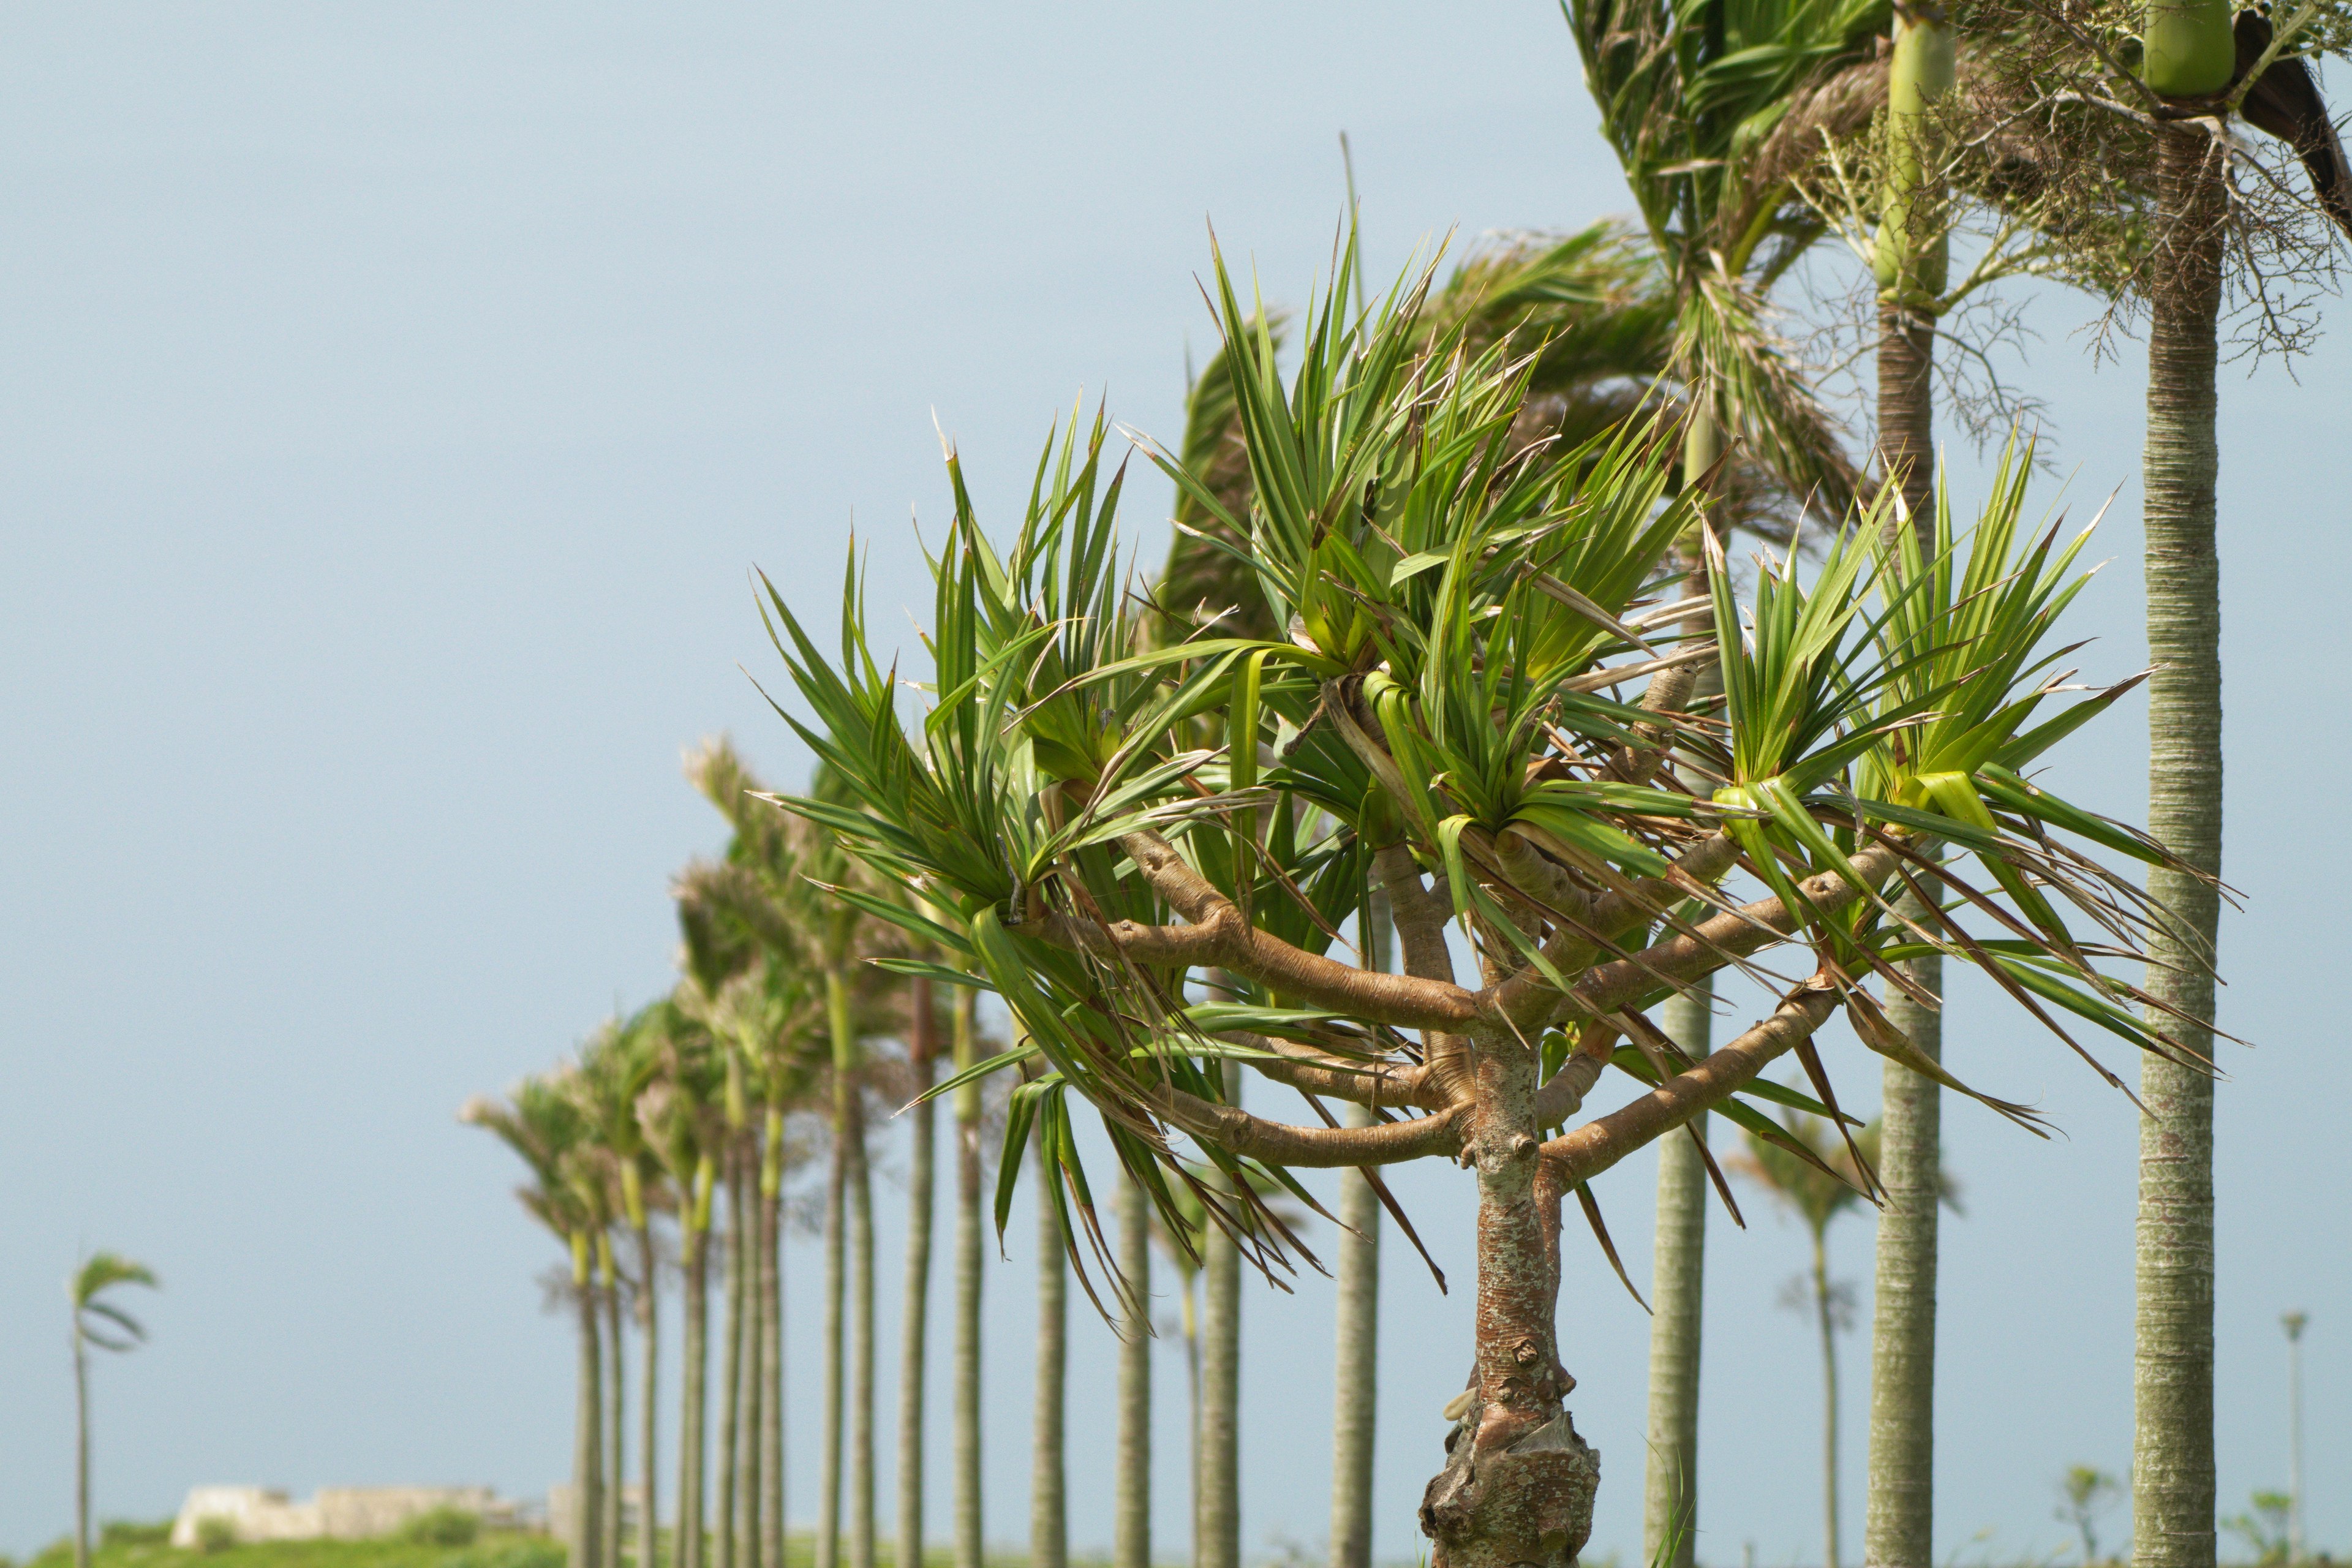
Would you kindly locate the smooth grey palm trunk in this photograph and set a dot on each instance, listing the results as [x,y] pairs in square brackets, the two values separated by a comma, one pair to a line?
[1823,1317]
[1355,1401]
[772,1361]
[617,1402]
[1217,1533]
[81,1445]
[861,1346]
[967,1290]
[1131,1489]
[1049,1545]
[836,1361]
[1899,1496]
[693,1422]
[648,1392]
[750,1413]
[588,1420]
[1678,1288]
[915,1315]
[731,1362]
[2172,1377]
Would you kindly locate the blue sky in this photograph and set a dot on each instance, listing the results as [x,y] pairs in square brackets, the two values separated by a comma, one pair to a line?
[397,398]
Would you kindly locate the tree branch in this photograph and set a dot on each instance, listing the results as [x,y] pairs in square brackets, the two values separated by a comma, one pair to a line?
[1279,1143]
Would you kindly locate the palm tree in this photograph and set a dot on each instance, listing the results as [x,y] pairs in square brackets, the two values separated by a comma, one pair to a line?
[616,1068]
[98,1321]
[1833,1176]
[542,1122]
[1131,1491]
[683,1127]
[922,1054]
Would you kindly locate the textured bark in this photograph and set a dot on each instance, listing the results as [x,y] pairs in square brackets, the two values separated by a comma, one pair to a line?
[1678,1288]
[617,1401]
[731,1359]
[1217,1529]
[587,1429]
[1899,1512]
[693,1423]
[1131,1494]
[1049,1544]
[1822,1314]
[915,1297]
[1899,1518]
[836,1358]
[772,1347]
[861,1346]
[648,1394]
[1518,1482]
[1906,343]
[968,1283]
[2172,1384]
[1356,1372]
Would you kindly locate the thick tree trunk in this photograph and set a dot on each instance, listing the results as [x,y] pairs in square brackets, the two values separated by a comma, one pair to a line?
[82,1446]
[694,1422]
[1518,1482]
[587,1421]
[1899,1514]
[836,1360]
[649,1411]
[968,1282]
[1049,1545]
[861,1346]
[915,1297]
[617,1381]
[1131,1491]
[1217,1531]
[2172,1384]
[1356,1370]
[1829,1402]
[772,1344]
[751,1412]
[1677,1290]
[731,1357]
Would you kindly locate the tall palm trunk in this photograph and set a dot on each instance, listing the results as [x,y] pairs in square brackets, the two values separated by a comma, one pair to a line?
[2172,1383]
[648,1509]
[861,1344]
[588,1418]
[82,1446]
[968,1282]
[1822,1313]
[772,1344]
[694,1421]
[1355,1403]
[1355,1374]
[837,1358]
[1913,255]
[617,1403]
[1217,1531]
[1131,1492]
[753,1412]
[1049,1545]
[1679,1258]
[1193,1409]
[1677,1281]
[730,1358]
[922,1048]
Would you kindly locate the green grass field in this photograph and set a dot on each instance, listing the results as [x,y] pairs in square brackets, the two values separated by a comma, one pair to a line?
[148,1546]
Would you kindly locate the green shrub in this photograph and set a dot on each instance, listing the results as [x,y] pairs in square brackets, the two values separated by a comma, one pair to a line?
[215,1534]
[130,1532]
[536,1551]
[443,1526]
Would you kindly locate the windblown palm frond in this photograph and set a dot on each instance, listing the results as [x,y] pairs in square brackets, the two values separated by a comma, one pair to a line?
[97,1320]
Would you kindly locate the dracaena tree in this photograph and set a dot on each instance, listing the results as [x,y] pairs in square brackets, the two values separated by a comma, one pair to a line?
[1443,722]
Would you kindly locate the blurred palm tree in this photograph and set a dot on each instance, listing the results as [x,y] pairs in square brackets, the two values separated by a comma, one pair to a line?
[98,1321]
[542,1123]
[616,1067]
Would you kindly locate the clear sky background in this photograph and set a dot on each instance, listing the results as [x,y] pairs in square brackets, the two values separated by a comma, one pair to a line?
[393,400]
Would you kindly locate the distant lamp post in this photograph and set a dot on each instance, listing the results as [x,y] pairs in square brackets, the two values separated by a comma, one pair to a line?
[2293,1322]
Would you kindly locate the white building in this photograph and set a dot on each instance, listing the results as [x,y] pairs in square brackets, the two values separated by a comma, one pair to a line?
[339,1513]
